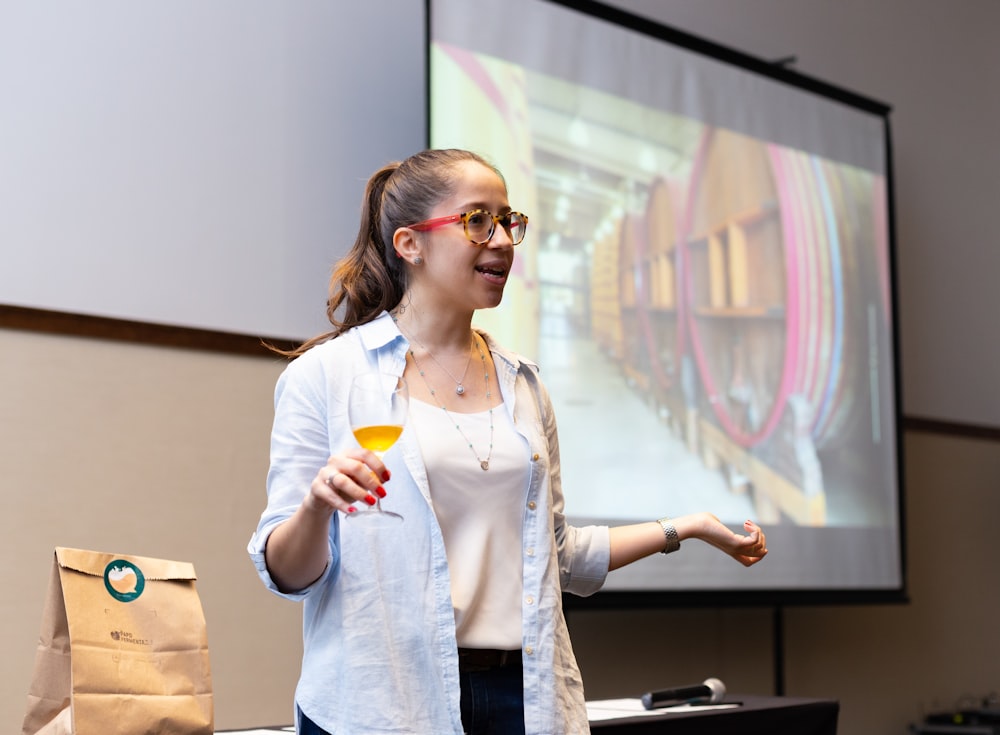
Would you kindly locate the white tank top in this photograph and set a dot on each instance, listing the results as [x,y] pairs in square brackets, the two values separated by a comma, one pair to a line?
[480,514]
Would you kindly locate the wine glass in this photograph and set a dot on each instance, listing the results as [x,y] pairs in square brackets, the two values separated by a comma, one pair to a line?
[376,409]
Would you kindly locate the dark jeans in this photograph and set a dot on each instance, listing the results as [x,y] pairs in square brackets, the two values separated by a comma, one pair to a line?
[492,704]
[493,701]
[305,726]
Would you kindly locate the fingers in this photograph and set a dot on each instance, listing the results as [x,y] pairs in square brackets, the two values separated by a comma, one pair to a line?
[755,532]
[373,462]
[347,480]
[755,544]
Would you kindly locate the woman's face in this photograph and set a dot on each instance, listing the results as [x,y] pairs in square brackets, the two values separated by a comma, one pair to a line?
[457,273]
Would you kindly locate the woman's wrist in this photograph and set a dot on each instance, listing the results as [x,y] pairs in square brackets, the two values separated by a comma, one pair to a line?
[693,525]
[671,539]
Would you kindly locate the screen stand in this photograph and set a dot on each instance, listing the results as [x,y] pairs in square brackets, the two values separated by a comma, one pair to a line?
[778,637]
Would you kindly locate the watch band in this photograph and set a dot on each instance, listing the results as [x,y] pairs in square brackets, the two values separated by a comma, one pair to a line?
[673,541]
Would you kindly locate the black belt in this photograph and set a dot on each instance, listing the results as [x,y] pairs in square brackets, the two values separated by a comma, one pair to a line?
[484,659]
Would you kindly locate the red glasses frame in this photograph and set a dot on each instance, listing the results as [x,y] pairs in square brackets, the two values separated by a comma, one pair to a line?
[504,220]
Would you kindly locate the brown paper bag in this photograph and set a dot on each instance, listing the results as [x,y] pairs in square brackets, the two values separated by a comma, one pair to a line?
[123,650]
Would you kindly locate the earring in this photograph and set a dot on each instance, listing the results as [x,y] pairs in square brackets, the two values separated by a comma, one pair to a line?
[418,260]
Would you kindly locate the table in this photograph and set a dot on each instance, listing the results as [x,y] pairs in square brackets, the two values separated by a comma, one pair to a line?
[755,715]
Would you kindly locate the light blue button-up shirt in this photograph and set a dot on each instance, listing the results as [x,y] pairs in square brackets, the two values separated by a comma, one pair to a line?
[379,630]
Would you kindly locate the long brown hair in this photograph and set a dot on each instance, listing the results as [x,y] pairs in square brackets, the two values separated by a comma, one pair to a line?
[372,278]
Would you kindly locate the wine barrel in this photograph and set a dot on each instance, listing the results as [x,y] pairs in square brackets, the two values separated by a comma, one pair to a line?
[605,299]
[660,332]
[633,288]
[767,304]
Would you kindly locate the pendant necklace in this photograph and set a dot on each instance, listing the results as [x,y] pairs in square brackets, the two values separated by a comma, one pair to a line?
[459,384]
[483,463]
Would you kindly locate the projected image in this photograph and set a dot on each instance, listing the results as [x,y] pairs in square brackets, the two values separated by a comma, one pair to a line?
[705,301]
[706,286]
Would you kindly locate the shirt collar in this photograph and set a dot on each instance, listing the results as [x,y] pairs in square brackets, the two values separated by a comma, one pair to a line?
[382,331]
[512,360]
[379,332]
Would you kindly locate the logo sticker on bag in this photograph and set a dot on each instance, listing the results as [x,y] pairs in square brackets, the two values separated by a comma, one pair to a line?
[124,580]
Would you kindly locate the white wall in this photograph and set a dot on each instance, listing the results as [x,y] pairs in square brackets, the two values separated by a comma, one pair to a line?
[197,164]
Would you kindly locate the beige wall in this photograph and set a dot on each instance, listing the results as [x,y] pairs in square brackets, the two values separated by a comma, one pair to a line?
[150,451]
[162,452]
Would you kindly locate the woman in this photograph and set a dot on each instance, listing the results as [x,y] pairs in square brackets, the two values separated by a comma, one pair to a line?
[451,620]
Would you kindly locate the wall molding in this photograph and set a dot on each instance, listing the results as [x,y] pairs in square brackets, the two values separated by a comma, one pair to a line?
[950,428]
[123,330]
[162,335]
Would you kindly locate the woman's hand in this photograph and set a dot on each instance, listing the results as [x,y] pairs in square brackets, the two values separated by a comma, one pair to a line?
[746,549]
[357,475]
[298,550]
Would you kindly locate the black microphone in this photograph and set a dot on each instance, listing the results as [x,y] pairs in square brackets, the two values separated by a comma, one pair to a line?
[710,691]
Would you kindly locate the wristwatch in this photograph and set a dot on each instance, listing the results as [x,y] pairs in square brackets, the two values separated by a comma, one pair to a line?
[673,541]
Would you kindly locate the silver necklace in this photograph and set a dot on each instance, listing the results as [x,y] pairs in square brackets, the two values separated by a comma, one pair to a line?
[483,463]
[460,383]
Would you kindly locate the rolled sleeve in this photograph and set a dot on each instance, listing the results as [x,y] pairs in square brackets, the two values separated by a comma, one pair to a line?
[256,548]
[583,567]
[300,447]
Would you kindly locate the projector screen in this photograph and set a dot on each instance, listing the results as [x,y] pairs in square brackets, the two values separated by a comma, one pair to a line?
[706,284]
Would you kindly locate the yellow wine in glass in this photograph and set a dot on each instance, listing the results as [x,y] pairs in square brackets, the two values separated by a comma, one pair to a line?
[377,407]
[378,438]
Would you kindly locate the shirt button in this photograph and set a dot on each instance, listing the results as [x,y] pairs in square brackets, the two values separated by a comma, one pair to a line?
[529,650]
[530,600]
[534,457]
[531,505]
[529,551]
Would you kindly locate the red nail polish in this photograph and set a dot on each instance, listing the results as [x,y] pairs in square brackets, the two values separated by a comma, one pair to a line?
[386,476]
[352,509]
[370,499]
[380,491]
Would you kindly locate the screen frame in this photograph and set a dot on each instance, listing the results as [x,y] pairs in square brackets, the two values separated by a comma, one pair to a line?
[778,71]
